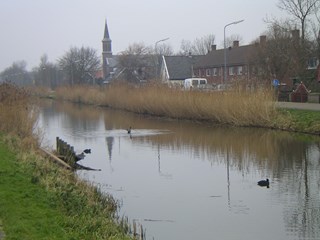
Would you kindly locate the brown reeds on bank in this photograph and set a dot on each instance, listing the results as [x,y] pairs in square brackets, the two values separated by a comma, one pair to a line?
[17,114]
[78,209]
[237,106]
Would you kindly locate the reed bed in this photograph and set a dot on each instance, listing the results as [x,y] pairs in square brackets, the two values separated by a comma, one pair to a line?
[17,114]
[238,106]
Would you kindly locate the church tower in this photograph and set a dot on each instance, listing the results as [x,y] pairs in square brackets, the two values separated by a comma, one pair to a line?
[106,51]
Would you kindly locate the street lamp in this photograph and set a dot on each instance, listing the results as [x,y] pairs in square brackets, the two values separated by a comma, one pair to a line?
[155,50]
[162,40]
[225,52]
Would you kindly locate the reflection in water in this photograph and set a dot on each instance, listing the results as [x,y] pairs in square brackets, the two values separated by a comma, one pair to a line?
[110,141]
[161,173]
[194,160]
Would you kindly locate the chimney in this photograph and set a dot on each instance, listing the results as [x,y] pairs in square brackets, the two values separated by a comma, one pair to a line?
[213,47]
[235,43]
[263,40]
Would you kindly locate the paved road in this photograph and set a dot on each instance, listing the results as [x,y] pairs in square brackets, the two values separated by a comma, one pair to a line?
[303,106]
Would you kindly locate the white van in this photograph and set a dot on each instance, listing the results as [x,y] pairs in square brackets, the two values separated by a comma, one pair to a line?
[195,83]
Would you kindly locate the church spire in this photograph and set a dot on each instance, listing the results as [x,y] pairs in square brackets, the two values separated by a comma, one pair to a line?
[106,31]
[106,51]
[106,42]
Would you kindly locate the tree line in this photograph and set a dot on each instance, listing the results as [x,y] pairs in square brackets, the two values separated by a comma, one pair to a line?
[282,56]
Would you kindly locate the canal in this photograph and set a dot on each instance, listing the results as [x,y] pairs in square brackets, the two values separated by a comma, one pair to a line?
[186,180]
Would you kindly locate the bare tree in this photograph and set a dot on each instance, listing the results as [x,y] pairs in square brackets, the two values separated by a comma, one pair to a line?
[185,47]
[163,49]
[137,49]
[137,63]
[300,10]
[46,74]
[80,64]
[283,56]
[17,74]
[200,46]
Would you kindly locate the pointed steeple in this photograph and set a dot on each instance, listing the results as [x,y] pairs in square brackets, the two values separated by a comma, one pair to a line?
[106,31]
[106,42]
[106,51]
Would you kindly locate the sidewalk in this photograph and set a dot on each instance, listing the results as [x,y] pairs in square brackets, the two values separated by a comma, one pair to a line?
[302,106]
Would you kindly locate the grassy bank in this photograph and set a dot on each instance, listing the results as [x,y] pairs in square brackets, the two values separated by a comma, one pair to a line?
[305,121]
[38,199]
[238,107]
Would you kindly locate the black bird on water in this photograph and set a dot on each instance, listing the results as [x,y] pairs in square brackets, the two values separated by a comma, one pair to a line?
[129,130]
[87,151]
[264,183]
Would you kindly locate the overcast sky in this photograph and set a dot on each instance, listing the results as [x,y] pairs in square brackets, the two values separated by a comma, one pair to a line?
[31,28]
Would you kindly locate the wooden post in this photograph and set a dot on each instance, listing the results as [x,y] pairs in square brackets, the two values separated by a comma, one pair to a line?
[58,145]
[64,149]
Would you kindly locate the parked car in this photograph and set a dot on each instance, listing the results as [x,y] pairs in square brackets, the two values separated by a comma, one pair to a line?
[195,83]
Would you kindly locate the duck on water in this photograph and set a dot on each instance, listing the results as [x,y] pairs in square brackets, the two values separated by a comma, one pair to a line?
[264,183]
[83,154]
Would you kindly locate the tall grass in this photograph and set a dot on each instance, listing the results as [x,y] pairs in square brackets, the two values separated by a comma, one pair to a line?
[238,106]
[17,115]
[86,212]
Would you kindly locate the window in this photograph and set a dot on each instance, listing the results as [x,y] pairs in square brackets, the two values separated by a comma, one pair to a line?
[202,72]
[312,63]
[215,72]
[202,82]
[194,82]
[231,71]
[208,72]
[240,70]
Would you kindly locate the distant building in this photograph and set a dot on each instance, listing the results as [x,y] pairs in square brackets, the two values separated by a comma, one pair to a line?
[238,59]
[109,61]
[175,69]
[124,67]
[245,63]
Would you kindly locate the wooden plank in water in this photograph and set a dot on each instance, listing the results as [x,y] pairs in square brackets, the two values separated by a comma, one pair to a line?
[56,159]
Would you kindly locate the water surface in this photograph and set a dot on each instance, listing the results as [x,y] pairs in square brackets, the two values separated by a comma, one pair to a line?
[184,180]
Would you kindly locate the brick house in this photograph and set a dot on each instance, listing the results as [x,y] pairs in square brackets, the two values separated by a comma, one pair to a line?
[238,59]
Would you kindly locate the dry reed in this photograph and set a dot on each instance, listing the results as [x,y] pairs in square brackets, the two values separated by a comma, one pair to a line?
[17,115]
[237,107]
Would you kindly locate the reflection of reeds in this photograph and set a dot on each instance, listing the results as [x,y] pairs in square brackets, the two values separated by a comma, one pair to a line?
[238,106]
[135,229]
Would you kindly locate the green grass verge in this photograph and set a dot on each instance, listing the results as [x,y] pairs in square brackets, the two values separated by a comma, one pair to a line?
[38,202]
[26,208]
[305,121]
